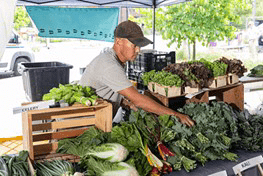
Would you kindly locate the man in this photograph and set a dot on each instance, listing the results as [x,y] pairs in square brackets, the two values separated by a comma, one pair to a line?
[106,73]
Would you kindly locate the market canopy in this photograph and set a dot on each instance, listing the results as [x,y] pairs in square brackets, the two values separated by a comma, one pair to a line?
[105,3]
[101,3]
[85,23]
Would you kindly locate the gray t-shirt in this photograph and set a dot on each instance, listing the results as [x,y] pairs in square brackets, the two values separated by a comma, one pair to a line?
[107,76]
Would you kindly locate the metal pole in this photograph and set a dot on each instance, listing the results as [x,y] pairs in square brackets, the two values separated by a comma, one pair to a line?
[153,27]
[127,13]
[254,11]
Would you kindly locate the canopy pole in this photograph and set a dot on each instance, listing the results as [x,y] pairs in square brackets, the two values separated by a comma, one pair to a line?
[153,23]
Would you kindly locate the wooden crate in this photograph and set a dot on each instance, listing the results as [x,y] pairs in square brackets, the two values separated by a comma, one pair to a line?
[168,91]
[231,94]
[40,140]
[219,81]
[190,90]
[232,79]
[152,87]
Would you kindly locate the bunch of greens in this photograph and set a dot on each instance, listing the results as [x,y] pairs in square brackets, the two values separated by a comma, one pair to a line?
[250,129]
[209,139]
[129,136]
[256,71]
[163,78]
[218,68]
[96,167]
[14,165]
[194,74]
[54,168]
[235,66]
[80,145]
[108,148]
[112,152]
[190,76]
[148,76]
[72,93]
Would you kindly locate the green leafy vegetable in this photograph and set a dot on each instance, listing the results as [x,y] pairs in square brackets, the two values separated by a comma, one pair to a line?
[256,71]
[112,152]
[106,168]
[54,168]
[72,93]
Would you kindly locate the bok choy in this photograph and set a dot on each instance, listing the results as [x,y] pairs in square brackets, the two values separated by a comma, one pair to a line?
[112,152]
[97,167]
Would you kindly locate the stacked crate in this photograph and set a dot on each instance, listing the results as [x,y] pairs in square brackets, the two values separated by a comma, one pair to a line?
[147,61]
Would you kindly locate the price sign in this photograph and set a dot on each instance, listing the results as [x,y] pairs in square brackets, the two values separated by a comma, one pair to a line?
[247,164]
[34,106]
[222,173]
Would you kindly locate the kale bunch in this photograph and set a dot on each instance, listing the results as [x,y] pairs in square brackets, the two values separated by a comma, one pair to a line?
[250,129]
[210,139]
[256,71]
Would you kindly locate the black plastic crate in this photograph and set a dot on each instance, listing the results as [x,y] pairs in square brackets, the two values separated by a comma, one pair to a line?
[136,75]
[146,62]
[40,77]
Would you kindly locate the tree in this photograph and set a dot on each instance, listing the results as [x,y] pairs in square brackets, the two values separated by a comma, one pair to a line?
[202,20]
[21,18]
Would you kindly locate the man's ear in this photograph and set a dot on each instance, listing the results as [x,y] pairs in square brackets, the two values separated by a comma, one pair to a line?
[118,41]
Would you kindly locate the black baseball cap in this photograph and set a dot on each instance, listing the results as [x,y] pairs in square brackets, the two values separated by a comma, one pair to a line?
[131,31]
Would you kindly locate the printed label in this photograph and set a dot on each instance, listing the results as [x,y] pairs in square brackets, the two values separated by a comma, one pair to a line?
[35,106]
[248,164]
[222,173]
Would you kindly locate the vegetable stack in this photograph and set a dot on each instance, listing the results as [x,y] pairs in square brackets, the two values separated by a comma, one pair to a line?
[72,93]
[14,165]
[163,78]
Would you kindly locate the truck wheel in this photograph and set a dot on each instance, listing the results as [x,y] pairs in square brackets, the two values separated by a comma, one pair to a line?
[17,68]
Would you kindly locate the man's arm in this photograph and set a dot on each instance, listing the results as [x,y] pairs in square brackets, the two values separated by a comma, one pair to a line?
[148,104]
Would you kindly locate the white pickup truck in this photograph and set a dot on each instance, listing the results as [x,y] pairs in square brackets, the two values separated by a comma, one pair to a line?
[16,52]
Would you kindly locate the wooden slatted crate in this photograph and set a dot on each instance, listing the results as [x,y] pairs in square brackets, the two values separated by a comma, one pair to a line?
[219,81]
[40,140]
[232,79]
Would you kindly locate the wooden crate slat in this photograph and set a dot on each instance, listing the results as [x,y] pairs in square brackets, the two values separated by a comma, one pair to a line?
[67,110]
[63,115]
[103,121]
[51,115]
[63,124]
[53,156]
[27,133]
[58,135]
[45,148]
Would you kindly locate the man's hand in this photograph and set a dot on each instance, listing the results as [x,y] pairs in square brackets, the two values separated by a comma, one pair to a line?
[185,119]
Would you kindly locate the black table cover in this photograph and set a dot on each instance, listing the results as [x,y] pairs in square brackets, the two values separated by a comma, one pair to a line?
[212,167]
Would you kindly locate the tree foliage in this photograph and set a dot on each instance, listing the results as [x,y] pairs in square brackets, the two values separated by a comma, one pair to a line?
[202,20]
[21,18]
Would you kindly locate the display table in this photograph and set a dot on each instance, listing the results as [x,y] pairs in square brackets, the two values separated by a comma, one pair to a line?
[220,165]
[252,83]
[232,94]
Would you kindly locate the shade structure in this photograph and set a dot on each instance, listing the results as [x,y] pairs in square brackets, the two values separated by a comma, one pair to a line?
[101,3]
[106,3]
